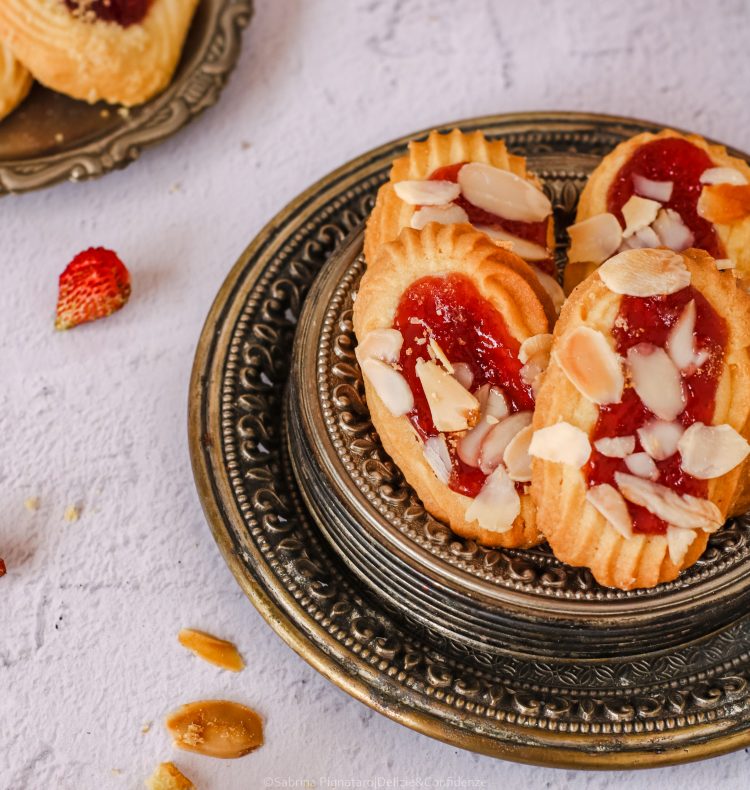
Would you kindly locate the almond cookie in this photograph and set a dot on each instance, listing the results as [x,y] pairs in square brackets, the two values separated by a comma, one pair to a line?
[452,340]
[640,433]
[464,177]
[119,51]
[15,82]
[663,190]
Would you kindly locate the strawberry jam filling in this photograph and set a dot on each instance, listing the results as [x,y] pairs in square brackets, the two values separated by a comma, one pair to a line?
[122,12]
[648,320]
[535,232]
[468,329]
[682,163]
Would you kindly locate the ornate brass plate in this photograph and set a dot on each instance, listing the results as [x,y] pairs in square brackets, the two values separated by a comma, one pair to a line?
[685,702]
[52,138]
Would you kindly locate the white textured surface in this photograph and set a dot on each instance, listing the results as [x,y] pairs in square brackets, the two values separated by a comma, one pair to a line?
[90,610]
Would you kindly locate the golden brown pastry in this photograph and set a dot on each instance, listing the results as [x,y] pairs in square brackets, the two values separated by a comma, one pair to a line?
[119,51]
[452,338]
[640,433]
[663,190]
[15,82]
[464,177]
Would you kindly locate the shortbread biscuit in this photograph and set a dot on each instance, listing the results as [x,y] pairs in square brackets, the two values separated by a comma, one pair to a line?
[68,47]
[730,206]
[662,400]
[449,291]
[440,151]
[15,82]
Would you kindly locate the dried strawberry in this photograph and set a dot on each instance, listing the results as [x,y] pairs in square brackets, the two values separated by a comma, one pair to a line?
[94,285]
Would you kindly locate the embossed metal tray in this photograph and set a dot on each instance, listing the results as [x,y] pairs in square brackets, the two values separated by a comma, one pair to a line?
[689,701]
[52,138]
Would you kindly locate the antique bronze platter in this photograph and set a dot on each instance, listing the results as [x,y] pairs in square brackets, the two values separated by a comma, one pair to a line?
[52,138]
[624,708]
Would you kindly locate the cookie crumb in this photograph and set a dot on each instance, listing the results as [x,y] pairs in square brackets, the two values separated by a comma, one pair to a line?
[104,113]
[32,504]
[246,145]
[59,137]
[146,727]
[123,112]
[168,776]
[72,513]
[116,771]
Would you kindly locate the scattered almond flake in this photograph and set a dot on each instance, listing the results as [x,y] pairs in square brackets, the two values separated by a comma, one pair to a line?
[72,513]
[216,651]
[521,247]
[503,193]
[660,438]
[681,339]
[32,504]
[644,237]
[463,373]
[686,512]
[216,728]
[638,213]
[427,193]
[443,215]
[657,381]
[496,405]
[168,776]
[516,456]
[724,204]
[671,231]
[551,286]
[609,502]
[615,446]
[390,386]
[722,264]
[591,365]
[654,190]
[382,344]
[452,407]
[437,456]
[642,465]
[645,273]
[722,175]
[561,443]
[440,355]
[497,505]
[536,344]
[594,239]
[678,542]
[499,437]
[531,374]
[492,408]
[711,451]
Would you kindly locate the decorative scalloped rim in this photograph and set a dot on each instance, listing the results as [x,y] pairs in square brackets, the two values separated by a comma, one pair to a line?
[156,120]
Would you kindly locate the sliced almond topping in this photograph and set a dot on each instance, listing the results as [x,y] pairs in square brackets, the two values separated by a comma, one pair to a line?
[672,231]
[591,365]
[642,465]
[656,381]
[551,286]
[660,439]
[686,512]
[533,346]
[444,215]
[382,344]
[725,263]
[464,376]
[722,175]
[516,456]
[451,406]
[681,339]
[216,728]
[470,444]
[724,203]
[216,651]
[523,248]
[168,776]
[427,193]
[609,502]
[437,456]
[643,237]
[492,401]
[615,446]
[499,437]
[645,273]
[439,354]
[497,505]
[711,450]
[678,542]
[503,193]
[561,443]
[638,213]
[532,372]
[594,239]
[390,386]
[655,190]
